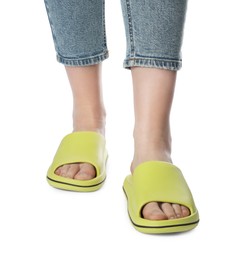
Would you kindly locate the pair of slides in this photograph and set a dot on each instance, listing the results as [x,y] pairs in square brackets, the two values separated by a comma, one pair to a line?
[150,181]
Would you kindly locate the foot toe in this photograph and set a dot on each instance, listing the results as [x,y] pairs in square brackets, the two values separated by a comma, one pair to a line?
[86,172]
[58,171]
[168,210]
[152,211]
[178,210]
[185,211]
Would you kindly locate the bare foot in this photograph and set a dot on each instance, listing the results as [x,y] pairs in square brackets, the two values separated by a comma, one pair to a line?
[78,171]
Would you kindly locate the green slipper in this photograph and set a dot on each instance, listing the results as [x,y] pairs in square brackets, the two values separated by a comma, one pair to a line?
[78,147]
[161,182]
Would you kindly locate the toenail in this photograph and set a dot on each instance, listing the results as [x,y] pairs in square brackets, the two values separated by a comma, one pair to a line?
[83,173]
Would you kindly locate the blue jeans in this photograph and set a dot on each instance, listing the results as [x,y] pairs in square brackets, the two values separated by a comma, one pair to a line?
[154,32]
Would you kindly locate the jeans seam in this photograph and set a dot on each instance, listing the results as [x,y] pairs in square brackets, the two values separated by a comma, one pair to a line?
[104,26]
[130,26]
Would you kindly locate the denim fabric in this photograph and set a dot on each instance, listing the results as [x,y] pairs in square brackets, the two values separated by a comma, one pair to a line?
[154,32]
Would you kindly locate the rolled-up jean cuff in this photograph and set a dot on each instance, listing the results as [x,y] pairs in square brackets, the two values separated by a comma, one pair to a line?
[92,60]
[153,63]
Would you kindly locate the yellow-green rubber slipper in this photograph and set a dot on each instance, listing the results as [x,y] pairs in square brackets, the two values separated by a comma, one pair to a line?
[79,147]
[160,182]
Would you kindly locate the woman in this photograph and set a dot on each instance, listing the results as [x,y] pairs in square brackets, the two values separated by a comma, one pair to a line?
[159,200]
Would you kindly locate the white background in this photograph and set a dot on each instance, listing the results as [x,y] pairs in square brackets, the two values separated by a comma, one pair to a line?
[39,222]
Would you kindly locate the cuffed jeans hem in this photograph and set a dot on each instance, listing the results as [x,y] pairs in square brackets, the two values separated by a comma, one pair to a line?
[83,61]
[153,63]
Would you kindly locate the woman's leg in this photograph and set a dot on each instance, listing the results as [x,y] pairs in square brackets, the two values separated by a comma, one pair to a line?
[153,92]
[88,113]
[154,30]
[78,29]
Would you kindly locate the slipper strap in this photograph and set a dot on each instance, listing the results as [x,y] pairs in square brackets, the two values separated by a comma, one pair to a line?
[160,182]
[81,147]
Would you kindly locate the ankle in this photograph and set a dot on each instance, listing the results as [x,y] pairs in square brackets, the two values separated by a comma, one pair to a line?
[152,139]
[89,122]
[151,147]
[141,156]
